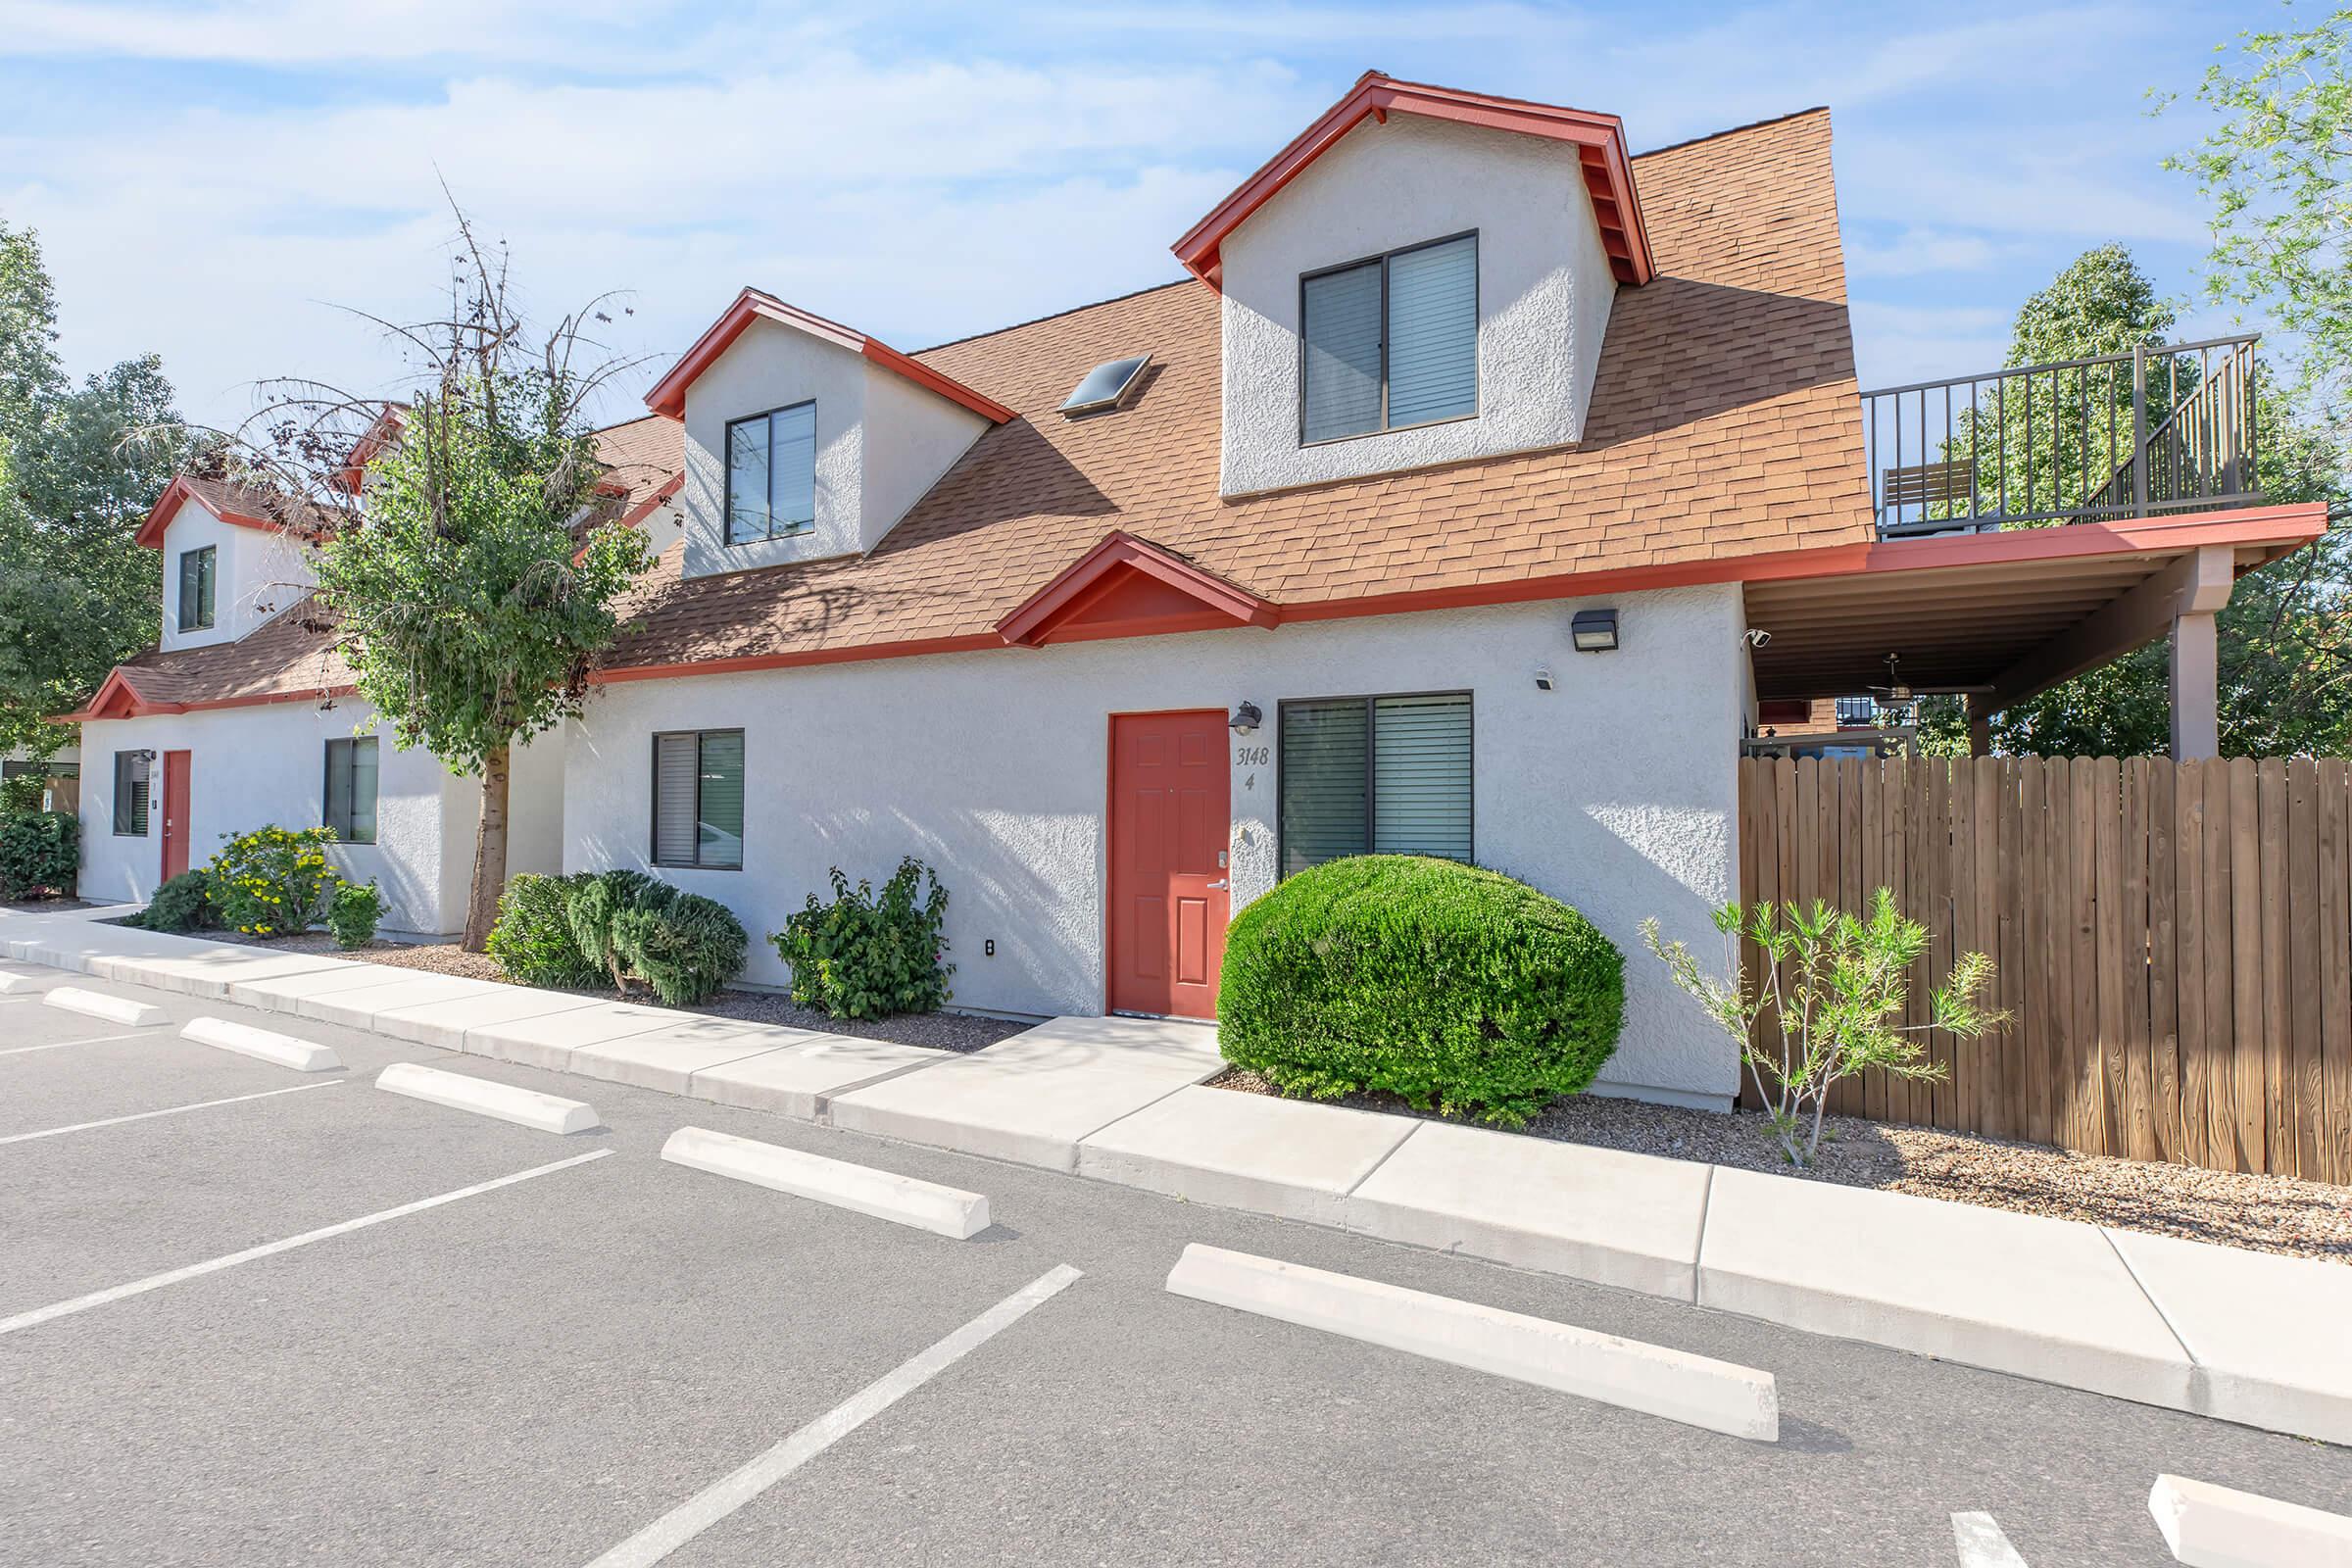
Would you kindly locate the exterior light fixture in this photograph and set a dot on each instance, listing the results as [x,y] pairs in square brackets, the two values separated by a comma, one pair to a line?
[1245,719]
[1594,631]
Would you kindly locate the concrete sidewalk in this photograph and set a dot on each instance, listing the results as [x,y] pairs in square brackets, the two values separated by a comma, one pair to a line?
[2246,1337]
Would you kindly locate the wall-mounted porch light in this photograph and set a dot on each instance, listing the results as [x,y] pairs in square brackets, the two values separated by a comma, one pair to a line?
[1594,631]
[1246,718]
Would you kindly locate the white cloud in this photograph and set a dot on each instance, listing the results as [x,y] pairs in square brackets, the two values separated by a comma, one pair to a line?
[1917,251]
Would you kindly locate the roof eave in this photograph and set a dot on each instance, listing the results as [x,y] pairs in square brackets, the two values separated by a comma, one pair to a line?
[668,396]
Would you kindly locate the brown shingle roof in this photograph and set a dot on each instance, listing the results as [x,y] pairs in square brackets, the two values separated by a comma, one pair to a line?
[1724,423]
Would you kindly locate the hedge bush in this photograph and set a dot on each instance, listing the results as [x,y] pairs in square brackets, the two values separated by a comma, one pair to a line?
[273,881]
[1455,988]
[40,853]
[352,913]
[532,939]
[862,957]
[183,904]
[637,927]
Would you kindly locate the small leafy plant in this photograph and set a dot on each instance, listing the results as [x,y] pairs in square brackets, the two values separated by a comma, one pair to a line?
[352,913]
[864,957]
[532,939]
[273,881]
[182,904]
[1828,1005]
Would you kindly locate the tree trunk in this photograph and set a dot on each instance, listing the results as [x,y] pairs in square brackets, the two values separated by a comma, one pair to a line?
[489,854]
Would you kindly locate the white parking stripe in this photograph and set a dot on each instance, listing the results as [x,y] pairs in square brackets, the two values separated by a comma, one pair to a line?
[1982,1544]
[168,1110]
[94,1040]
[723,1498]
[156,1282]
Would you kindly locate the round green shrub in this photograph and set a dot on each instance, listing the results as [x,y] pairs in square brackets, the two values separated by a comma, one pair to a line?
[352,913]
[183,904]
[532,939]
[273,881]
[1455,988]
[631,926]
[868,957]
[40,854]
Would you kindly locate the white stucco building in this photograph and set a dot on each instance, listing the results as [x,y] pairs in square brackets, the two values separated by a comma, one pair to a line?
[1476,492]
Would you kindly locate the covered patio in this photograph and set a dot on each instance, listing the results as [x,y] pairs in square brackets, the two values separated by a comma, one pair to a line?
[1999,616]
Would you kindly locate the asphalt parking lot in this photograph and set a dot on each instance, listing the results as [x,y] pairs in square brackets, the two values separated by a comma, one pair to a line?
[538,1371]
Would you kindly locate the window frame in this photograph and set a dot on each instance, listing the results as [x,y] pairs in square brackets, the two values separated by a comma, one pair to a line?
[121,791]
[207,574]
[1371,702]
[326,783]
[653,836]
[1384,258]
[726,463]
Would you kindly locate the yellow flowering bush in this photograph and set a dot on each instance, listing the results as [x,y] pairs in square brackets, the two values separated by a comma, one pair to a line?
[273,881]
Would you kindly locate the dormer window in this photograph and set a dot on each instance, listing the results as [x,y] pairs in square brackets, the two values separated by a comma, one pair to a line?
[197,569]
[1390,342]
[772,474]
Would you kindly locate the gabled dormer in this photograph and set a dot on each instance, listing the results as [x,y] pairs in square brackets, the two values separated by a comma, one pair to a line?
[805,439]
[1423,276]
[230,561]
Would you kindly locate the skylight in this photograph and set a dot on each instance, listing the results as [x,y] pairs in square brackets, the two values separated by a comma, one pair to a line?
[1105,385]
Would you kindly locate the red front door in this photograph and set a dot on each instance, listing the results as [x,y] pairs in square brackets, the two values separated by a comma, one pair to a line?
[176,813]
[1171,798]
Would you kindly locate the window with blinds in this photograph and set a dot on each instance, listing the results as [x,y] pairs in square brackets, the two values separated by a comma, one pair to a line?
[1387,776]
[1390,342]
[698,798]
[351,789]
[196,572]
[772,474]
[130,793]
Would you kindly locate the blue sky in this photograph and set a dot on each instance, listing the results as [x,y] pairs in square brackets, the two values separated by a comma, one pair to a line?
[213,181]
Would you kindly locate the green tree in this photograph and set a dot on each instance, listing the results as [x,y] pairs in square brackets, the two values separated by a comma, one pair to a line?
[473,597]
[2274,171]
[78,595]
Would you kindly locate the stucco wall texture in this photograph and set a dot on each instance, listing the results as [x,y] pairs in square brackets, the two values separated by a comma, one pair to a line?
[255,575]
[1544,292]
[1615,790]
[260,767]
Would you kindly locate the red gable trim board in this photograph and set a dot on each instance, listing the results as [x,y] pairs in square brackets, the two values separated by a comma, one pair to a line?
[668,395]
[176,494]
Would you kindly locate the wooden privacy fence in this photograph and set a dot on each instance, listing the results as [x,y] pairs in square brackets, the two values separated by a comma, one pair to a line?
[2174,942]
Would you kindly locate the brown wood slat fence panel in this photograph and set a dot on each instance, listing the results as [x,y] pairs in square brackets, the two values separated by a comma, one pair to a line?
[2173,941]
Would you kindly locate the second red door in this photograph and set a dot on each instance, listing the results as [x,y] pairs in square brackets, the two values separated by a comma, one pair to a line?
[1170,891]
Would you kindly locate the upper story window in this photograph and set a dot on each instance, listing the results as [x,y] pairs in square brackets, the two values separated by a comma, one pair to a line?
[1390,342]
[196,573]
[772,474]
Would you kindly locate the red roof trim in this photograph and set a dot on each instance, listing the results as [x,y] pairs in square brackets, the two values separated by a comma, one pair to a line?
[178,492]
[1607,167]
[668,395]
[371,444]
[1117,556]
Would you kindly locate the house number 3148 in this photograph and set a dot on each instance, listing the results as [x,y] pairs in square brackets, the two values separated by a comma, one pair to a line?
[1252,756]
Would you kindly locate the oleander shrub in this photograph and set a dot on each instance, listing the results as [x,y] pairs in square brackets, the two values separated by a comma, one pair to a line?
[182,904]
[40,854]
[866,956]
[352,913]
[532,939]
[273,881]
[1455,988]
[680,944]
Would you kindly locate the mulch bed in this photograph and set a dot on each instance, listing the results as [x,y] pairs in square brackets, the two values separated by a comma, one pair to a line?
[941,1031]
[2265,1213]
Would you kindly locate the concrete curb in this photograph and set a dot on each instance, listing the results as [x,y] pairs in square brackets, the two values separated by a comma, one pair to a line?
[262,1045]
[2214,1527]
[943,1210]
[114,1010]
[525,1108]
[1674,1384]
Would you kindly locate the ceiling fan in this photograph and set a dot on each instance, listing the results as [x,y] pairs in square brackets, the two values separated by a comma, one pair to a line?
[1894,691]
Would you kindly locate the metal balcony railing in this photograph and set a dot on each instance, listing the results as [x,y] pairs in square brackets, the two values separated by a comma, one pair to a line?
[2141,434]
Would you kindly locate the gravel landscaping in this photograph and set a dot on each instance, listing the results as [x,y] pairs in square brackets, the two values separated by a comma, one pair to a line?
[941,1031]
[2266,1213]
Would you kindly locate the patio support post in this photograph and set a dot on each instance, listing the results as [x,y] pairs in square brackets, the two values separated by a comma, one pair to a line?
[1979,725]
[2196,688]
